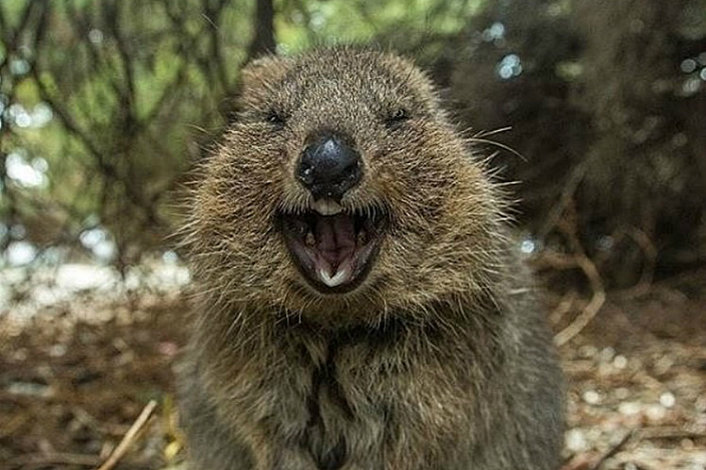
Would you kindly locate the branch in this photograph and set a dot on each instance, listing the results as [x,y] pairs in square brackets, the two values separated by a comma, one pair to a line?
[613,450]
[263,41]
[577,259]
[212,15]
[66,119]
[594,305]
[129,437]
[111,14]
[10,42]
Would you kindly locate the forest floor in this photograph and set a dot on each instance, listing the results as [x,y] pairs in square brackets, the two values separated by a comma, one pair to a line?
[77,380]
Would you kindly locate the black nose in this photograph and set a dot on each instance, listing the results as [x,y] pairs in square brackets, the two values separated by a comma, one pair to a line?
[329,166]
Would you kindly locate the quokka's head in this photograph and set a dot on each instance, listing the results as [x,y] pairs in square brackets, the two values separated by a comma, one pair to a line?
[341,190]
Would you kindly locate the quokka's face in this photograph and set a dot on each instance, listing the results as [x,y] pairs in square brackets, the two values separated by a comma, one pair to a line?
[339,181]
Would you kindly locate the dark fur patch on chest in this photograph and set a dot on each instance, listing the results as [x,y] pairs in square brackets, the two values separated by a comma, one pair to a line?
[324,386]
[329,452]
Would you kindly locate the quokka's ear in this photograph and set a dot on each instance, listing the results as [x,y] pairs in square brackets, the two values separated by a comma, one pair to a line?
[259,75]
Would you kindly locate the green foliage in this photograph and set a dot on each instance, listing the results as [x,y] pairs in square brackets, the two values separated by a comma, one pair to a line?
[105,105]
[402,24]
[137,89]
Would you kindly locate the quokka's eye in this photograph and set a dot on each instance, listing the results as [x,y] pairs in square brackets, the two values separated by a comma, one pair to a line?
[276,119]
[397,117]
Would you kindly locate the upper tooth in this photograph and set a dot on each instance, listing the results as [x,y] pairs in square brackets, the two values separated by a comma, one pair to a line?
[327,207]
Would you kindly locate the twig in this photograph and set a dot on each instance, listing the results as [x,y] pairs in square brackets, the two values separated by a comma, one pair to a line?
[564,306]
[580,322]
[578,259]
[613,450]
[590,310]
[565,199]
[129,437]
[644,285]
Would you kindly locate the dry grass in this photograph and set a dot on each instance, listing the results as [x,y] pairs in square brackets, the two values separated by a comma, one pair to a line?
[71,388]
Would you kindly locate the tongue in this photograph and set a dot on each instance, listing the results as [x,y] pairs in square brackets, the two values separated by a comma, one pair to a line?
[335,237]
[335,242]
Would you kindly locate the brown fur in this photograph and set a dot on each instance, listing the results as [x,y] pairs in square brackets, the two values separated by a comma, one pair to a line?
[440,359]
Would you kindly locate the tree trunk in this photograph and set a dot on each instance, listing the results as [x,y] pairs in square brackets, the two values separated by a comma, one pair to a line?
[263,40]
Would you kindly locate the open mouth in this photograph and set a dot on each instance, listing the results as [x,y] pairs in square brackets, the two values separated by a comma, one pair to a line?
[332,247]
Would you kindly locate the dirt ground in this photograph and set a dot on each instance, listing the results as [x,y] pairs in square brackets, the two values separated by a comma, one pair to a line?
[77,380]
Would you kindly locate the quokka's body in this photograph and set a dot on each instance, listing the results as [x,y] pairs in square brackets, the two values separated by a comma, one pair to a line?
[360,306]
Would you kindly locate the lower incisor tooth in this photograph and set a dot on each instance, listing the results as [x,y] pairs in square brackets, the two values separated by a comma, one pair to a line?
[334,281]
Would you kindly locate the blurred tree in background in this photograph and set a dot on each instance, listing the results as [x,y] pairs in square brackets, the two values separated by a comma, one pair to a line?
[105,105]
[606,102]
